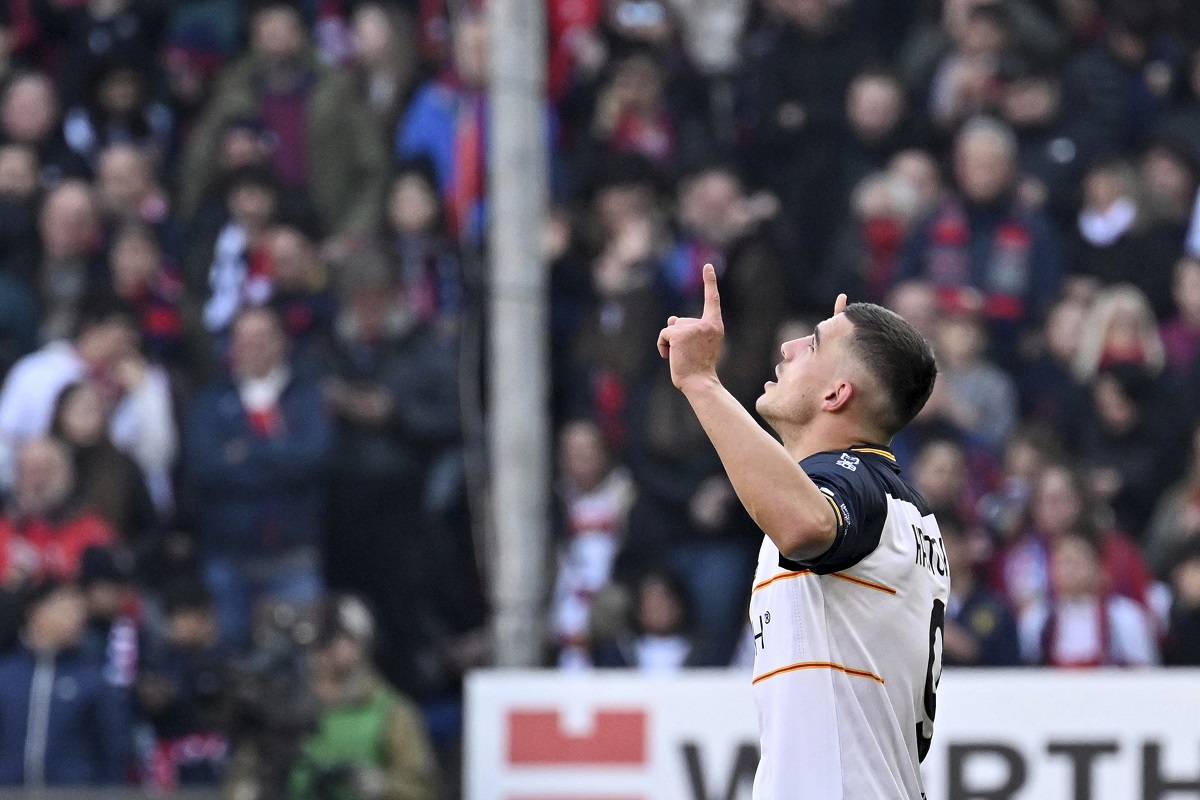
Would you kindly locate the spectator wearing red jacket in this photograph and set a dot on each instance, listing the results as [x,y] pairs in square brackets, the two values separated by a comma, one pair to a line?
[47,529]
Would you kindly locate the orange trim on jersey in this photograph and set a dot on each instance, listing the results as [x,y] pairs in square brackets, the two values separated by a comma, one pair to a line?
[879,587]
[857,673]
[837,511]
[874,450]
[783,576]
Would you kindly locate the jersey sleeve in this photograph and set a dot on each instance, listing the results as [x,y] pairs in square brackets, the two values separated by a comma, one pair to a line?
[859,507]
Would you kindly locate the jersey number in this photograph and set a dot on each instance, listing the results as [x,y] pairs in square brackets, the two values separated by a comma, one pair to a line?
[937,628]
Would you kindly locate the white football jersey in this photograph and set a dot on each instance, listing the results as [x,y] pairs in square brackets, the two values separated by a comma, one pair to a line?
[848,647]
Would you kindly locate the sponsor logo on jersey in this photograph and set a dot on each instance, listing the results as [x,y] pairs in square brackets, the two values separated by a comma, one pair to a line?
[848,461]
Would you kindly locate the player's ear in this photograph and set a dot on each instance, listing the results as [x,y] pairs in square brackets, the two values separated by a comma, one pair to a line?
[837,396]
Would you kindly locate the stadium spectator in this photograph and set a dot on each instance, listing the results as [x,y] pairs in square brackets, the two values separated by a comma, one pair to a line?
[880,124]
[446,123]
[99,34]
[1183,641]
[29,116]
[118,110]
[982,397]
[660,638]
[594,496]
[1123,445]
[385,60]
[192,56]
[110,482]
[47,528]
[242,142]
[917,302]
[325,148]
[865,255]
[939,473]
[179,690]
[967,79]
[1004,510]
[1084,624]
[1176,520]
[922,170]
[984,237]
[938,421]
[72,260]
[367,734]
[980,630]
[50,737]
[1047,385]
[797,68]
[622,305]
[1121,239]
[299,294]
[1063,506]
[686,515]
[18,252]
[631,115]
[719,224]
[1055,146]
[1126,79]
[1168,173]
[1181,334]
[257,444]
[237,269]
[112,637]
[1029,27]
[391,388]
[1119,330]
[420,254]
[128,192]
[143,277]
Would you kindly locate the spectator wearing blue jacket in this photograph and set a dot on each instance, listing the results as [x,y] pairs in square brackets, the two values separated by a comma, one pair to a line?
[61,722]
[447,123]
[256,451]
[985,240]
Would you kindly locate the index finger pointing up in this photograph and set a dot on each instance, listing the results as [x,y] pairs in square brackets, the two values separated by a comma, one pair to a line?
[712,298]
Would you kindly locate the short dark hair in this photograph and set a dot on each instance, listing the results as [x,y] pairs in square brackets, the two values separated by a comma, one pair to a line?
[898,355]
[187,595]
[253,176]
[100,307]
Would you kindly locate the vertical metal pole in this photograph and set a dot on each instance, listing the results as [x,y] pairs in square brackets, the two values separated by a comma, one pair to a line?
[518,425]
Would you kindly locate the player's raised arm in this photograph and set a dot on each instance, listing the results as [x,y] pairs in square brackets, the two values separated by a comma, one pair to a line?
[781,499]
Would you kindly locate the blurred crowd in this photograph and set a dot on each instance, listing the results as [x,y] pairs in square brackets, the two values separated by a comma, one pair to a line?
[242,281]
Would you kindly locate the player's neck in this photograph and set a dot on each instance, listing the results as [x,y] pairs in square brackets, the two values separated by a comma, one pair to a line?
[823,434]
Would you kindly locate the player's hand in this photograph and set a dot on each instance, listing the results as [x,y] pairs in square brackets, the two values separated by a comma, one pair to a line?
[693,345]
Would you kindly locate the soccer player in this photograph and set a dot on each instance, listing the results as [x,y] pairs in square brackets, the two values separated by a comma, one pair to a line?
[852,582]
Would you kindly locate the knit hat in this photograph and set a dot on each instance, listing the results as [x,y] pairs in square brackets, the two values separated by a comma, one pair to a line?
[187,595]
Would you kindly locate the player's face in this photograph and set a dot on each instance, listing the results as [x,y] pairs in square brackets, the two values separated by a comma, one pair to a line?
[809,366]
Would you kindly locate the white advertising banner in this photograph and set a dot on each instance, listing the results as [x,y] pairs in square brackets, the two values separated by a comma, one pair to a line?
[1000,735]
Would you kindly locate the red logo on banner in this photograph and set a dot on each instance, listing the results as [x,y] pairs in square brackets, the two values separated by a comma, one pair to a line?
[618,738]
